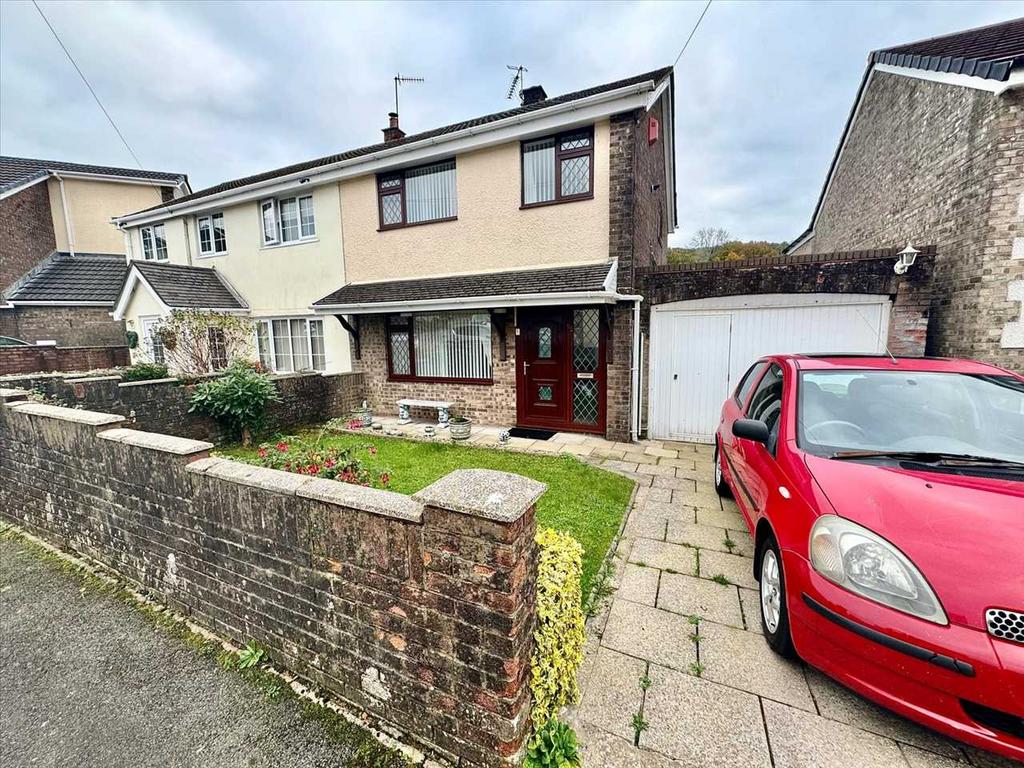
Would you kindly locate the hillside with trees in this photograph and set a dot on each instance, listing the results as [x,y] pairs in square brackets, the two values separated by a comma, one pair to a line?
[716,244]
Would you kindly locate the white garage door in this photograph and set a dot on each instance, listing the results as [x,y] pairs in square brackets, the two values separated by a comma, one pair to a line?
[700,349]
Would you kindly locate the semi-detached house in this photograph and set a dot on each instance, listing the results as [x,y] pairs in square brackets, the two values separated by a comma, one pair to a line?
[490,263]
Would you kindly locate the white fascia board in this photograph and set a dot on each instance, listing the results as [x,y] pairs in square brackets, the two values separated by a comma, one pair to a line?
[60,303]
[611,280]
[135,278]
[233,291]
[800,241]
[117,179]
[1015,80]
[474,302]
[517,127]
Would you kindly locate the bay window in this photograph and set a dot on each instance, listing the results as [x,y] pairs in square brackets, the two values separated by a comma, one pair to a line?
[288,345]
[212,239]
[287,220]
[154,243]
[558,168]
[440,346]
[417,195]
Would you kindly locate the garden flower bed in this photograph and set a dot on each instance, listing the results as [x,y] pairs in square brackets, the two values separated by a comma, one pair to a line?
[585,502]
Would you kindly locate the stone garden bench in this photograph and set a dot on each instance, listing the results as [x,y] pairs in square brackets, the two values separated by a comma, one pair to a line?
[442,410]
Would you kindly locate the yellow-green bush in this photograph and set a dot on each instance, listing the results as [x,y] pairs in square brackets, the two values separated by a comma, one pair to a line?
[559,635]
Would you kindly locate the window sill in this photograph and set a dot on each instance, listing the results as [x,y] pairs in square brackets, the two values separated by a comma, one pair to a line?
[302,241]
[564,200]
[416,224]
[434,380]
[211,255]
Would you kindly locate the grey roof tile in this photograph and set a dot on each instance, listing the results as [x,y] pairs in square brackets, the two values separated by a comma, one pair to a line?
[84,277]
[16,170]
[183,287]
[586,277]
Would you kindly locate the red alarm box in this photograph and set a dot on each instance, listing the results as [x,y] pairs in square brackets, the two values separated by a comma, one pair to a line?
[652,129]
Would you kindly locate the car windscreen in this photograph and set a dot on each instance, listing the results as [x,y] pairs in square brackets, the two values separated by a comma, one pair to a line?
[876,410]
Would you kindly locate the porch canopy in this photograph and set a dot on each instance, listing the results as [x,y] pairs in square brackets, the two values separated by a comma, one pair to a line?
[550,286]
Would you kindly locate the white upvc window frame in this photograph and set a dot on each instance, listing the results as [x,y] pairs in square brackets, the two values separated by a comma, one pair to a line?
[147,324]
[209,219]
[272,348]
[273,235]
[153,252]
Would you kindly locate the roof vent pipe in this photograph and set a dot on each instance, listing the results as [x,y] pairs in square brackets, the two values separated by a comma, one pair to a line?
[393,132]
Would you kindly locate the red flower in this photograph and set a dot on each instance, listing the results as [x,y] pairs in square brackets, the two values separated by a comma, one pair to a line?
[329,463]
[385,478]
[262,453]
[282,447]
[373,450]
[314,469]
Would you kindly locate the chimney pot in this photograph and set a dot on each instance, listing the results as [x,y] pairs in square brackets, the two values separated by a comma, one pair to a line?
[393,132]
[533,94]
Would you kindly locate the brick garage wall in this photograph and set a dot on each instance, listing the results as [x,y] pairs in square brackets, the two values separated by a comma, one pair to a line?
[928,162]
[68,326]
[20,360]
[420,615]
[163,405]
[620,348]
[26,232]
[489,403]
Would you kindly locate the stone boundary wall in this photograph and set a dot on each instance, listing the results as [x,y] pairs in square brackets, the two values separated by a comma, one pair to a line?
[35,359]
[417,610]
[161,405]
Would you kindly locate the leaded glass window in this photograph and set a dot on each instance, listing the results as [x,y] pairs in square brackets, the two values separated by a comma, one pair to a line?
[558,168]
[544,342]
[418,195]
[584,401]
[586,335]
[441,345]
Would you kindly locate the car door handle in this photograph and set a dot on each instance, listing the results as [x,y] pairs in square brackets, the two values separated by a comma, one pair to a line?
[675,376]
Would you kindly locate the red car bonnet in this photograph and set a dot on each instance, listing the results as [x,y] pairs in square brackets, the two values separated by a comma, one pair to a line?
[965,534]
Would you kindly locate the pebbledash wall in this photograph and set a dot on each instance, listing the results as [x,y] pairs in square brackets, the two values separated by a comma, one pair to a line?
[419,611]
[162,405]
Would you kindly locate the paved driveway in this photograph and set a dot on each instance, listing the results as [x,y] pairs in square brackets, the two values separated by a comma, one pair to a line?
[680,645]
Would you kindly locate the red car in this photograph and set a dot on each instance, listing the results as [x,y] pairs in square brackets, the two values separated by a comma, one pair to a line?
[886,500]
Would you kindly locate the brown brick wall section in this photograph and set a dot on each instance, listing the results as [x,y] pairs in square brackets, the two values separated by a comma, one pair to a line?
[26,232]
[18,360]
[68,326]
[163,405]
[928,162]
[620,346]
[421,616]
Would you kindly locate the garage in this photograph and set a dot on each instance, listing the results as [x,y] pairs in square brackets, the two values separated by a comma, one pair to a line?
[700,348]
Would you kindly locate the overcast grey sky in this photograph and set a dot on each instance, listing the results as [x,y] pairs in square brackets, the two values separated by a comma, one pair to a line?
[220,90]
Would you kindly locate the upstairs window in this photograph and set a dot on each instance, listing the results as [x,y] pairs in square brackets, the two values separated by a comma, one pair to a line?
[287,220]
[558,168]
[154,243]
[417,195]
[212,239]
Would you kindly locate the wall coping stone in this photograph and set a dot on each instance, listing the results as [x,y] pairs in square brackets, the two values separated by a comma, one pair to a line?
[9,393]
[168,380]
[180,446]
[87,379]
[276,480]
[373,500]
[92,418]
[488,493]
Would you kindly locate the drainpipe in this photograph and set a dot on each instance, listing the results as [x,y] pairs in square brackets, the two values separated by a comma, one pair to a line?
[67,216]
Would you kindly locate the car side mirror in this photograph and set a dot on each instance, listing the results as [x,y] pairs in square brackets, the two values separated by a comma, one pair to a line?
[751,429]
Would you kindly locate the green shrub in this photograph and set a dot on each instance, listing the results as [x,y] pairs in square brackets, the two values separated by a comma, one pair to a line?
[559,635]
[144,372]
[238,399]
[553,746]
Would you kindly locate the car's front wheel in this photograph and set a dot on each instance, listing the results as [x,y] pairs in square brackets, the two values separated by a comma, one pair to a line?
[774,613]
[720,485]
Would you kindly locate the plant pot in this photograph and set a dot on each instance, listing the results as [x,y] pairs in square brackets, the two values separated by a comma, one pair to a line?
[459,429]
[364,417]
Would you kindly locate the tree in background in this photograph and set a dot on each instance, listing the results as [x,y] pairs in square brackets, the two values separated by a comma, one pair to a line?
[707,240]
[197,342]
[713,244]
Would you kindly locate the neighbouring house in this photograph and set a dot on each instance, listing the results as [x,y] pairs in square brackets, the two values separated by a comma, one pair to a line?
[491,263]
[62,261]
[933,152]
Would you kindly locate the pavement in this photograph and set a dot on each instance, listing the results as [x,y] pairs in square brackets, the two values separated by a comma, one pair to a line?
[86,681]
[710,691]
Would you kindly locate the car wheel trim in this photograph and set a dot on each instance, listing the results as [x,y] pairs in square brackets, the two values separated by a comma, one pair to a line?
[718,467]
[771,591]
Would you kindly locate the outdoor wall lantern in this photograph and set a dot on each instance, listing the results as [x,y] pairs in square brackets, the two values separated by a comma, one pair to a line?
[907,258]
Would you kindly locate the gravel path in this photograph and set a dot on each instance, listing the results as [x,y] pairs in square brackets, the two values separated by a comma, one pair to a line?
[85,680]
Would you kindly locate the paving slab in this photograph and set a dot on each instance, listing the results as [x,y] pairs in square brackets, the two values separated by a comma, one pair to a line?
[703,536]
[647,633]
[660,554]
[738,570]
[675,483]
[838,703]
[638,584]
[660,470]
[611,705]
[604,750]
[654,494]
[701,724]
[750,602]
[691,596]
[919,758]
[664,509]
[742,660]
[802,740]
[619,465]
[984,759]
[716,517]
[648,527]
[744,542]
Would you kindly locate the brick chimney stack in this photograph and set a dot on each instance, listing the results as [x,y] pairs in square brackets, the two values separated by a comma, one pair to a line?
[533,94]
[393,132]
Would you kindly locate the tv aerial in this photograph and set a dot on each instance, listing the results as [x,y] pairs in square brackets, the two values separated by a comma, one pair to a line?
[518,81]
[399,80]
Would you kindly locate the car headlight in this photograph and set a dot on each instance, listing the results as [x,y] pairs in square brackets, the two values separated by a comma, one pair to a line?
[863,562]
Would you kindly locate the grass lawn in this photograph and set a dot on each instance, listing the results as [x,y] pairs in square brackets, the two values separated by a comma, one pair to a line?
[582,500]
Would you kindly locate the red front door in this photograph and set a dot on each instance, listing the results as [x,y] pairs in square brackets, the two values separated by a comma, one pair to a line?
[560,369]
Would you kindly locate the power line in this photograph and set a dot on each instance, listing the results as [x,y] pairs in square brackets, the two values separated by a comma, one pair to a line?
[88,85]
[692,32]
